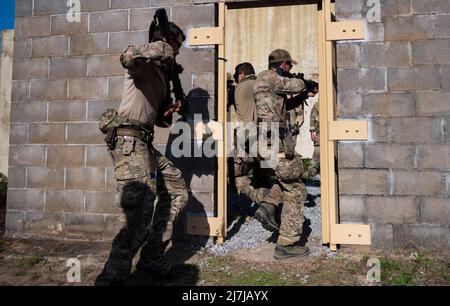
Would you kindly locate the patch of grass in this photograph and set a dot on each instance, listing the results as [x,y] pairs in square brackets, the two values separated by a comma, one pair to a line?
[396,272]
[28,262]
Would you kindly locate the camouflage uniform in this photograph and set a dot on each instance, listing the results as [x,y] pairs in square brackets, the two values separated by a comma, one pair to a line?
[271,107]
[141,172]
[244,165]
[314,167]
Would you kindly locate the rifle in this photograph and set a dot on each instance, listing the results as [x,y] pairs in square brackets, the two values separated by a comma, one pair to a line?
[161,23]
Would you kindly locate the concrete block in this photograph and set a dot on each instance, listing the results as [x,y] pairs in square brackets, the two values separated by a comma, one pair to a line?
[352,209]
[32,155]
[410,28]
[85,178]
[27,69]
[25,199]
[433,103]
[61,201]
[65,111]
[392,210]
[363,182]
[32,26]
[190,16]
[22,48]
[16,177]
[389,105]
[428,236]
[387,54]
[442,26]
[98,156]
[50,46]
[199,60]
[378,130]
[348,79]
[94,43]
[434,156]
[118,42]
[430,52]
[115,88]
[44,178]
[120,4]
[350,155]
[395,7]
[84,133]
[158,3]
[48,90]
[96,107]
[372,79]
[430,6]
[102,202]
[349,9]
[140,19]
[72,67]
[23,8]
[390,156]
[83,226]
[60,25]
[48,133]
[108,21]
[97,5]
[435,210]
[43,224]
[104,65]
[445,78]
[382,235]
[14,221]
[426,130]
[110,179]
[20,91]
[50,7]
[349,104]
[65,156]
[18,134]
[375,32]
[348,55]
[419,183]
[88,88]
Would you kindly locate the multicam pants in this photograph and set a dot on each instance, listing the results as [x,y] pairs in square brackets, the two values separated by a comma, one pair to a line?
[288,174]
[242,168]
[141,175]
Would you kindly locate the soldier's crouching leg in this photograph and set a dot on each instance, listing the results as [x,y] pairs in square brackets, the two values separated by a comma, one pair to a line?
[172,198]
[289,173]
[137,200]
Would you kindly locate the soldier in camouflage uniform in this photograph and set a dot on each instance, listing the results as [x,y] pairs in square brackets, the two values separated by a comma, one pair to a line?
[271,91]
[245,165]
[141,172]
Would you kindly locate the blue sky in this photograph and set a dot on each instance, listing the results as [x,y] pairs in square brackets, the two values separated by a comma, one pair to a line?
[6,14]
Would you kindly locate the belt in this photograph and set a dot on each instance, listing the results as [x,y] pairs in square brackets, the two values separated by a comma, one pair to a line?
[132,133]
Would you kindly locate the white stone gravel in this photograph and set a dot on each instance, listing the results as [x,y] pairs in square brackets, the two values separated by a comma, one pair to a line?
[246,232]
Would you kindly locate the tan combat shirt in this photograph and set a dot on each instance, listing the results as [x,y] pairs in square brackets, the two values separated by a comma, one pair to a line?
[244,99]
[146,84]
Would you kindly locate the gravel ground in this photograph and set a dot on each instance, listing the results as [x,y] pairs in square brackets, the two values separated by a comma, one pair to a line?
[245,232]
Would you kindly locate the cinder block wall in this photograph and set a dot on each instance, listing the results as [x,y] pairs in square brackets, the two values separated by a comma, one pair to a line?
[399,80]
[61,181]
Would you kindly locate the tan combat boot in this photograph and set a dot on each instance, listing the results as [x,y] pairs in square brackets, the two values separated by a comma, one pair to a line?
[266,215]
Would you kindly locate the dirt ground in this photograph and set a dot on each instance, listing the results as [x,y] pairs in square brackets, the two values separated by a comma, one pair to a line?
[44,262]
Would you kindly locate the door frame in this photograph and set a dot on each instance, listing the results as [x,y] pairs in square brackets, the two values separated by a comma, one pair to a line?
[332,129]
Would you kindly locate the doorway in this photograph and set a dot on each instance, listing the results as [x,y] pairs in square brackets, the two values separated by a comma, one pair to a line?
[332,130]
